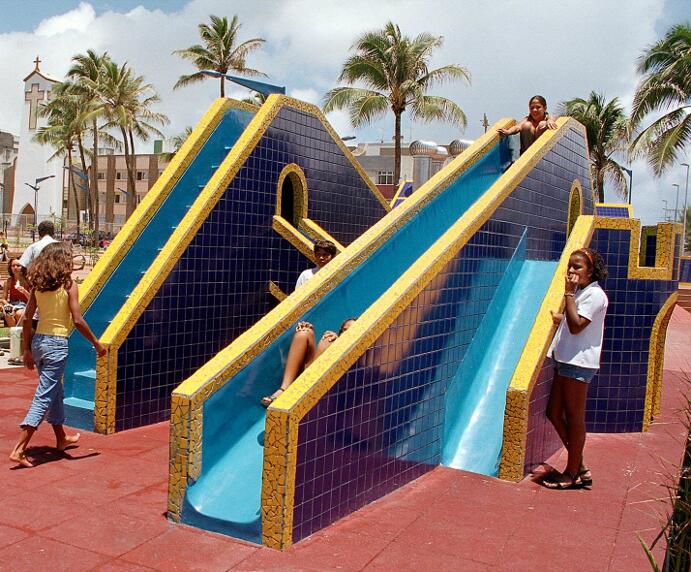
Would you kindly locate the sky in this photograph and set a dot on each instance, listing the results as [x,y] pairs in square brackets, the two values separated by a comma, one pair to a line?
[513,49]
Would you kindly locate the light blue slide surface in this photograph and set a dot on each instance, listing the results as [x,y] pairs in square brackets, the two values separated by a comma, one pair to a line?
[227,495]
[476,398]
[80,375]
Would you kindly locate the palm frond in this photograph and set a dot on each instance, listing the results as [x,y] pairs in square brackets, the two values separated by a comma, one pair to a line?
[428,108]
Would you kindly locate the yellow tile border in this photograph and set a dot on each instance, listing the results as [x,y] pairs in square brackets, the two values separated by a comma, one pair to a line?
[316,232]
[656,360]
[298,240]
[648,230]
[392,202]
[523,380]
[152,201]
[276,292]
[280,455]
[627,206]
[533,356]
[300,196]
[575,205]
[215,373]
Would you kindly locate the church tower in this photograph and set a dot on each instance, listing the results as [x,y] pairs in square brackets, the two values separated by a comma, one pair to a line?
[34,160]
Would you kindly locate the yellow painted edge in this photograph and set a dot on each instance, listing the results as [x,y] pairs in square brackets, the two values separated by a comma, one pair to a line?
[398,193]
[656,359]
[648,230]
[685,284]
[179,454]
[276,292]
[305,392]
[316,232]
[152,201]
[575,205]
[294,237]
[292,169]
[533,356]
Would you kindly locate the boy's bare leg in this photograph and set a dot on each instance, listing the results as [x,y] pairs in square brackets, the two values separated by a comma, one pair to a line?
[18,454]
[301,352]
[62,439]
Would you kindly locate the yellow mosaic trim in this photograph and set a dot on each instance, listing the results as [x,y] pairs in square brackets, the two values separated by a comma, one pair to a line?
[179,453]
[298,240]
[316,232]
[153,200]
[646,231]
[398,193]
[276,292]
[664,255]
[628,207]
[104,394]
[575,205]
[656,360]
[299,182]
[533,356]
[306,391]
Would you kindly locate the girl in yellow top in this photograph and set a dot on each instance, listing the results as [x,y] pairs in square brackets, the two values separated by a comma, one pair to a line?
[57,298]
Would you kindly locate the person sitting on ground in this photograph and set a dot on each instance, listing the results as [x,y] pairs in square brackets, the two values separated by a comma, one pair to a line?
[324,251]
[15,293]
[303,351]
[532,125]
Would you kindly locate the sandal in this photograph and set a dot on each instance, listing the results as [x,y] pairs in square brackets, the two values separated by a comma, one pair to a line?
[586,477]
[563,481]
[15,361]
[269,399]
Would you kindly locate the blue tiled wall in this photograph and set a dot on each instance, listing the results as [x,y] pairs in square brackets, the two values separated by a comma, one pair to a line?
[685,269]
[382,423]
[219,287]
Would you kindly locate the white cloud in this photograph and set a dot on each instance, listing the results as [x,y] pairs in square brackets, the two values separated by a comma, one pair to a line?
[513,49]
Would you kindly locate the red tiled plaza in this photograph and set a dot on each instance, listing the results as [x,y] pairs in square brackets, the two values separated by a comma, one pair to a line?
[102,506]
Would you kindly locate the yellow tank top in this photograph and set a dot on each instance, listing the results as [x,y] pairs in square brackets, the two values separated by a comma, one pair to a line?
[54,317]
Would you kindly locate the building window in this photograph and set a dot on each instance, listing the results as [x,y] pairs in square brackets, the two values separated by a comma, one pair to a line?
[142,175]
[118,175]
[385,178]
[117,198]
[101,175]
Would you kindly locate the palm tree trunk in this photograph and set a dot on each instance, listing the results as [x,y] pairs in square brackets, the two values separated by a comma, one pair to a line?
[71,185]
[397,149]
[89,198]
[129,209]
[223,90]
[600,186]
[94,179]
[133,163]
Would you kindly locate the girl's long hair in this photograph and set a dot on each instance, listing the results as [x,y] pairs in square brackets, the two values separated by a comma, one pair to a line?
[52,268]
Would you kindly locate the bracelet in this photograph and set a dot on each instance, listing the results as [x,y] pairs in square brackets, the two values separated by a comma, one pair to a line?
[569,295]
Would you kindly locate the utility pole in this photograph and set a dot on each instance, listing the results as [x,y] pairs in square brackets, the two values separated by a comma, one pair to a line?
[485,122]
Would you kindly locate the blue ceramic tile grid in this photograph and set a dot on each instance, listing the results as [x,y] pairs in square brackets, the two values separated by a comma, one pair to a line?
[381,426]
[219,287]
[611,211]
[685,269]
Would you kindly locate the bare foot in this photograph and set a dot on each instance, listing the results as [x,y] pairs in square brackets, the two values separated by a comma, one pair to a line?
[67,440]
[20,459]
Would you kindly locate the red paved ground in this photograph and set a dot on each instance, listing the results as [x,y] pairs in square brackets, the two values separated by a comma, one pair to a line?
[102,508]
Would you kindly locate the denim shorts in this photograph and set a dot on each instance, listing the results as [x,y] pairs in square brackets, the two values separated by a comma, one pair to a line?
[584,374]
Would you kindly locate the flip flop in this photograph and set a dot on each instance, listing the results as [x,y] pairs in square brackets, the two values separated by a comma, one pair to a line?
[586,481]
[574,482]
[269,399]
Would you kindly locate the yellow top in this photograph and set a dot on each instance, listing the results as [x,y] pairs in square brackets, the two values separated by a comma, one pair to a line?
[54,314]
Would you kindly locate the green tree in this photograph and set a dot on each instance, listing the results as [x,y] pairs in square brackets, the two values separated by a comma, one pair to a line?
[127,100]
[394,70]
[606,125]
[176,142]
[665,87]
[87,74]
[220,53]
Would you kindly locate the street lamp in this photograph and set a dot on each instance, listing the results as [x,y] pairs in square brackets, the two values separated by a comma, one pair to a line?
[35,187]
[686,206]
[665,201]
[676,203]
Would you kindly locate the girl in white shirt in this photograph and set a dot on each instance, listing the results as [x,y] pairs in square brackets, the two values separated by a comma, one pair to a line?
[576,352]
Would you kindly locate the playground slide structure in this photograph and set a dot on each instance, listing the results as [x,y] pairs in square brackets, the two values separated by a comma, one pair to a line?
[210,250]
[452,290]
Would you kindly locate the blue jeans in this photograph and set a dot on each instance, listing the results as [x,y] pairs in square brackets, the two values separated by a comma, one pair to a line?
[50,355]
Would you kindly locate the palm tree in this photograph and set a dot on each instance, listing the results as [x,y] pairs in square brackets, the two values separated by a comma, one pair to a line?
[220,53]
[87,72]
[127,99]
[176,143]
[606,125]
[394,70]
[666,86]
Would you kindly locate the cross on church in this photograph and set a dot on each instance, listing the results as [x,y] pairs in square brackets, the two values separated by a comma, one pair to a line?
[34,97]
[36,61]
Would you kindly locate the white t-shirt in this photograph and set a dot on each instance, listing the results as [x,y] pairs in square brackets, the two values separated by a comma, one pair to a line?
[33,250]
[306,276]
[583,349]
